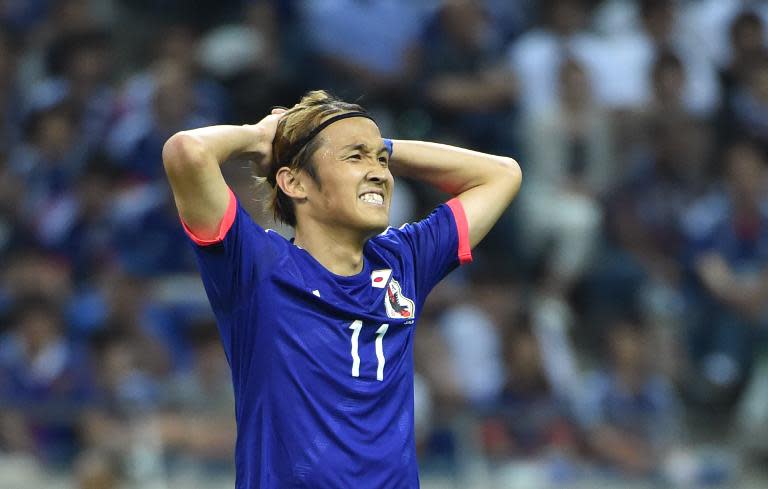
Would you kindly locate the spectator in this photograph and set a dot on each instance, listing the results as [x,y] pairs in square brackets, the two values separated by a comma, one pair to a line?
[137,138]
[45,382]
[629,412]
[465,84]
[10,107]
[360,48]
[643,213]
[76,226]
[197,424]
[728,261]
[709,21]
[749,106]
[50,160]
[535,57]
[747,41]
[570,166]
[529,420]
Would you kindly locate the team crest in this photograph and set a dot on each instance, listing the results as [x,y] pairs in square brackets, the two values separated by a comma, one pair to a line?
[398,306]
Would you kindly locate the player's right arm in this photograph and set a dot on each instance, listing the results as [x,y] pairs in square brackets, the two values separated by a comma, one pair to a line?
[192,161]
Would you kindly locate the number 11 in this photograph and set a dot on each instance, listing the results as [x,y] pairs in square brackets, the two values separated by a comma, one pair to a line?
[356,326]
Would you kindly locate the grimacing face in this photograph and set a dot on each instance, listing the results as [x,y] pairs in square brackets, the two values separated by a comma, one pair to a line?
[356,185]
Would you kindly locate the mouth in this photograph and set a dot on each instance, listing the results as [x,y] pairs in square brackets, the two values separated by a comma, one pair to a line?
[372,198]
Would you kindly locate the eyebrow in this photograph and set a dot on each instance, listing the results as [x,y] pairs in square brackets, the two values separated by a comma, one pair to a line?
[363,147]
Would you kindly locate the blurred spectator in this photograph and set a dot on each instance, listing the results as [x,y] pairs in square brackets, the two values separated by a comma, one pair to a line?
[536,56]
[197,423]
[78,67]
[176,48]
[727,255]
[10,107]
[748,45]
[748,108]
[637,129]
[50,160]
[360,48]
[148,237]
[11,193]
[250,59]
[529,419]
[125,393]
[569,166]
[45,383]
[465,84]
[708,22]
[471,330]
[76,226]
[629,412]
[137,138]
[30,272]
[643,213]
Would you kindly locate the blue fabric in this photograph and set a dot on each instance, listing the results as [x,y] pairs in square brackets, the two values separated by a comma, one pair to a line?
[388,144]
[287,325]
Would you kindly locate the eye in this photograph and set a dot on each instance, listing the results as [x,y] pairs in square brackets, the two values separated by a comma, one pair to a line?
[383,160]
[355,156]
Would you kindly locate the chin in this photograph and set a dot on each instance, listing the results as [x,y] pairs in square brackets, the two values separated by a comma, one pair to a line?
[374,226]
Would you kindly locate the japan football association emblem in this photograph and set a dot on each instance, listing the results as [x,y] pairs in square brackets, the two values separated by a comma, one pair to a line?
[398,306]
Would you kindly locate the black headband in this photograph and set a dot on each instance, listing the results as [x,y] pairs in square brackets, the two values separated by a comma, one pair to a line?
[299,145]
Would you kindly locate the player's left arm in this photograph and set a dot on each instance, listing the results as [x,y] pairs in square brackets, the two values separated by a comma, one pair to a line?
[485,184]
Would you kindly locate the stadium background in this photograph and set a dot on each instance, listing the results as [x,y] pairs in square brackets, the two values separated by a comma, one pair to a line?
[611,332]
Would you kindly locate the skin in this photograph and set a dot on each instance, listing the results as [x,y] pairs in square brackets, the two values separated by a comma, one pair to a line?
[333,224]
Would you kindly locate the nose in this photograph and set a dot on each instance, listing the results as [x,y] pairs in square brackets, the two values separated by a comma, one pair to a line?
[377,173]
[376,176]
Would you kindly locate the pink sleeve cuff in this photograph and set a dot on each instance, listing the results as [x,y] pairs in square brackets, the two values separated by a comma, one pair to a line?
[462,228]
[226,224]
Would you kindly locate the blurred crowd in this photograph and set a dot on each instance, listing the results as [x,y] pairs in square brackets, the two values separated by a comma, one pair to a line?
[612,326]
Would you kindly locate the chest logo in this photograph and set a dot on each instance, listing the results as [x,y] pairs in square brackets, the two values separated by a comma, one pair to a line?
[398,306]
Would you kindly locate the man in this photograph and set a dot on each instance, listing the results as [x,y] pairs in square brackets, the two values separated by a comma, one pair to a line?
[319,330]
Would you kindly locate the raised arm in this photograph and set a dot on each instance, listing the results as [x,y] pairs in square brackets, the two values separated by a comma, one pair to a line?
[192,161]
[485,184]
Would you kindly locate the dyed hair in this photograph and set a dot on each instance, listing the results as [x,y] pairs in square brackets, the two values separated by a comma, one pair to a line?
[294,126]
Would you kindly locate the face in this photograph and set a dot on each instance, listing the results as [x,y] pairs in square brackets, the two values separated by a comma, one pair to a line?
[355,184]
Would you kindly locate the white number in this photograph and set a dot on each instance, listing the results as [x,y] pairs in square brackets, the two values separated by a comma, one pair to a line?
[356,326]
[380,350]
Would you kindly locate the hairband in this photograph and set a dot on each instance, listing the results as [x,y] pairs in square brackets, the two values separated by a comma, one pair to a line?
[298,146]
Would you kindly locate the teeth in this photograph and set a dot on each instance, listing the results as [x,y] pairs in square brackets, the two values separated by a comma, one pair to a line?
[372,198]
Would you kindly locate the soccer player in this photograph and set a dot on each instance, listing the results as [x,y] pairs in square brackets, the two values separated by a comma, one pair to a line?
[318,330]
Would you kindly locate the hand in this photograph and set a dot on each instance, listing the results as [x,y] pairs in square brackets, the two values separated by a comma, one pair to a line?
[261,154]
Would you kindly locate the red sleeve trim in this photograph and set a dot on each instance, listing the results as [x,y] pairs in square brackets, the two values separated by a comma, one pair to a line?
[462,227]
[226,224]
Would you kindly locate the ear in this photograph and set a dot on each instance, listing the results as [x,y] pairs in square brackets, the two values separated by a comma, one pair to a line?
[290,183]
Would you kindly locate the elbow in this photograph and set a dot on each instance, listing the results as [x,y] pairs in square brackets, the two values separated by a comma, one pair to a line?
[183,150]
[511,173]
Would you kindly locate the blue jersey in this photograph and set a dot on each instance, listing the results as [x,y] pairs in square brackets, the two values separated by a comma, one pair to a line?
[322,364]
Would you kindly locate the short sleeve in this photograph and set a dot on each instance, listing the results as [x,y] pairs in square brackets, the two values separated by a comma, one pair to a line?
[232,265]
[437,244]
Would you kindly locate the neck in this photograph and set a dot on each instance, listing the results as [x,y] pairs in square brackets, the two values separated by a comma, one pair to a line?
[339,251]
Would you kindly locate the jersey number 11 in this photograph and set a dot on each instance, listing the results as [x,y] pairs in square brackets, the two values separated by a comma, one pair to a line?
[356,326]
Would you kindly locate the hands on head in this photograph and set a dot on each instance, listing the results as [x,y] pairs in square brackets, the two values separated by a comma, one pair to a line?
[261,155]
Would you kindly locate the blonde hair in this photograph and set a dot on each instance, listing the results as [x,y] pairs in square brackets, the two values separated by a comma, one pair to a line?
[299,121]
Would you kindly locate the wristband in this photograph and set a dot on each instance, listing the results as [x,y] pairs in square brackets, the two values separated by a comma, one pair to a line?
[388,144]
